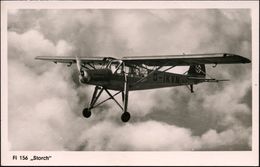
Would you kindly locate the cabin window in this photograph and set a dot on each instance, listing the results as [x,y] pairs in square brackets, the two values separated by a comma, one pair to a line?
[136,71]
[116,67]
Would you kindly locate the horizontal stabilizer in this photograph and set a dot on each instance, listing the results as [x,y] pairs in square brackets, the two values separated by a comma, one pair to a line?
[208,80]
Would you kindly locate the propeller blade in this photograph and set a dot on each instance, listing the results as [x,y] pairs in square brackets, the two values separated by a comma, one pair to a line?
[78,61]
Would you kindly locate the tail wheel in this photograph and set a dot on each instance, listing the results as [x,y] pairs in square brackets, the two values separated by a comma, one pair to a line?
[125,117]
[86,112]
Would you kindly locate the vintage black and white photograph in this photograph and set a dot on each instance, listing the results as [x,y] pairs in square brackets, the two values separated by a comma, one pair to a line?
[129,79]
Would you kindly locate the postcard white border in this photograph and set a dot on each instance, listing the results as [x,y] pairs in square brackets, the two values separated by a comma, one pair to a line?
[216,158]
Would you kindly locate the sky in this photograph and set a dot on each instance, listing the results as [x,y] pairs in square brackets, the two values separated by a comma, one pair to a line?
[45,100]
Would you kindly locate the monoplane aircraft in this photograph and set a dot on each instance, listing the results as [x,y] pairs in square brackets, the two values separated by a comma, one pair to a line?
[141,73]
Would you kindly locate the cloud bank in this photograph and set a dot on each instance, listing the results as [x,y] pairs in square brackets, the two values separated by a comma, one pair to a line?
[45,100]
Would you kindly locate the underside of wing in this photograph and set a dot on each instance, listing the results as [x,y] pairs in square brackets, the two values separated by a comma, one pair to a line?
[189,59]
[70,60]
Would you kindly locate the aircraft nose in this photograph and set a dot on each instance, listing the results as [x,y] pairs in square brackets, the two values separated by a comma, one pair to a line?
[84,77]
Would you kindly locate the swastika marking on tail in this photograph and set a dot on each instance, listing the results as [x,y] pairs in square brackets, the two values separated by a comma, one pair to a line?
[198,68]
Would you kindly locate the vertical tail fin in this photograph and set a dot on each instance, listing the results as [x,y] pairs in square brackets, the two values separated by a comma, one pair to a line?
[198,70]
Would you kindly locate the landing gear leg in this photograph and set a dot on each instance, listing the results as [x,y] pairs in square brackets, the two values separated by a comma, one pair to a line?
[87,111]
[126,115]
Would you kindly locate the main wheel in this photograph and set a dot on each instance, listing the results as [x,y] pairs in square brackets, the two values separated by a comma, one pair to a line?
[86,112]
[125,117]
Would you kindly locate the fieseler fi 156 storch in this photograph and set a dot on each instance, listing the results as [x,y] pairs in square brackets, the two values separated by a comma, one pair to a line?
[141,73]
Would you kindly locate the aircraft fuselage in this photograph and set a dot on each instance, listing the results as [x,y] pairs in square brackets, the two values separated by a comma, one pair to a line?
[157,79]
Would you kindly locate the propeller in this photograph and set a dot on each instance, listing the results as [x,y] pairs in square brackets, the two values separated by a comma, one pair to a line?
[83,75]
[80,70]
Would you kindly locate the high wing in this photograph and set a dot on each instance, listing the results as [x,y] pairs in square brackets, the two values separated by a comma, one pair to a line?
[186,59]
[160,60]
[70,60]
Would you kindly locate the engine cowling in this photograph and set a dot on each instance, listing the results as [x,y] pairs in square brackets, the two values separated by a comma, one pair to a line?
[95,75]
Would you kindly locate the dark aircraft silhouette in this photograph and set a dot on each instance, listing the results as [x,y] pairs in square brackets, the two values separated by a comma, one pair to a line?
[140,73]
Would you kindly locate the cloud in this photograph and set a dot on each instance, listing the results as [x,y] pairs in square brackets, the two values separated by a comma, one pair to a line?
[237,136]
[25,43]
[64,48]
[154,136]
[137,137]
[33,113]
[45,100]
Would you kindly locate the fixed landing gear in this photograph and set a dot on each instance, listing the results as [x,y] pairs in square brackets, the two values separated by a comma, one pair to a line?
[125,116]
[86,112]
[97,93]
